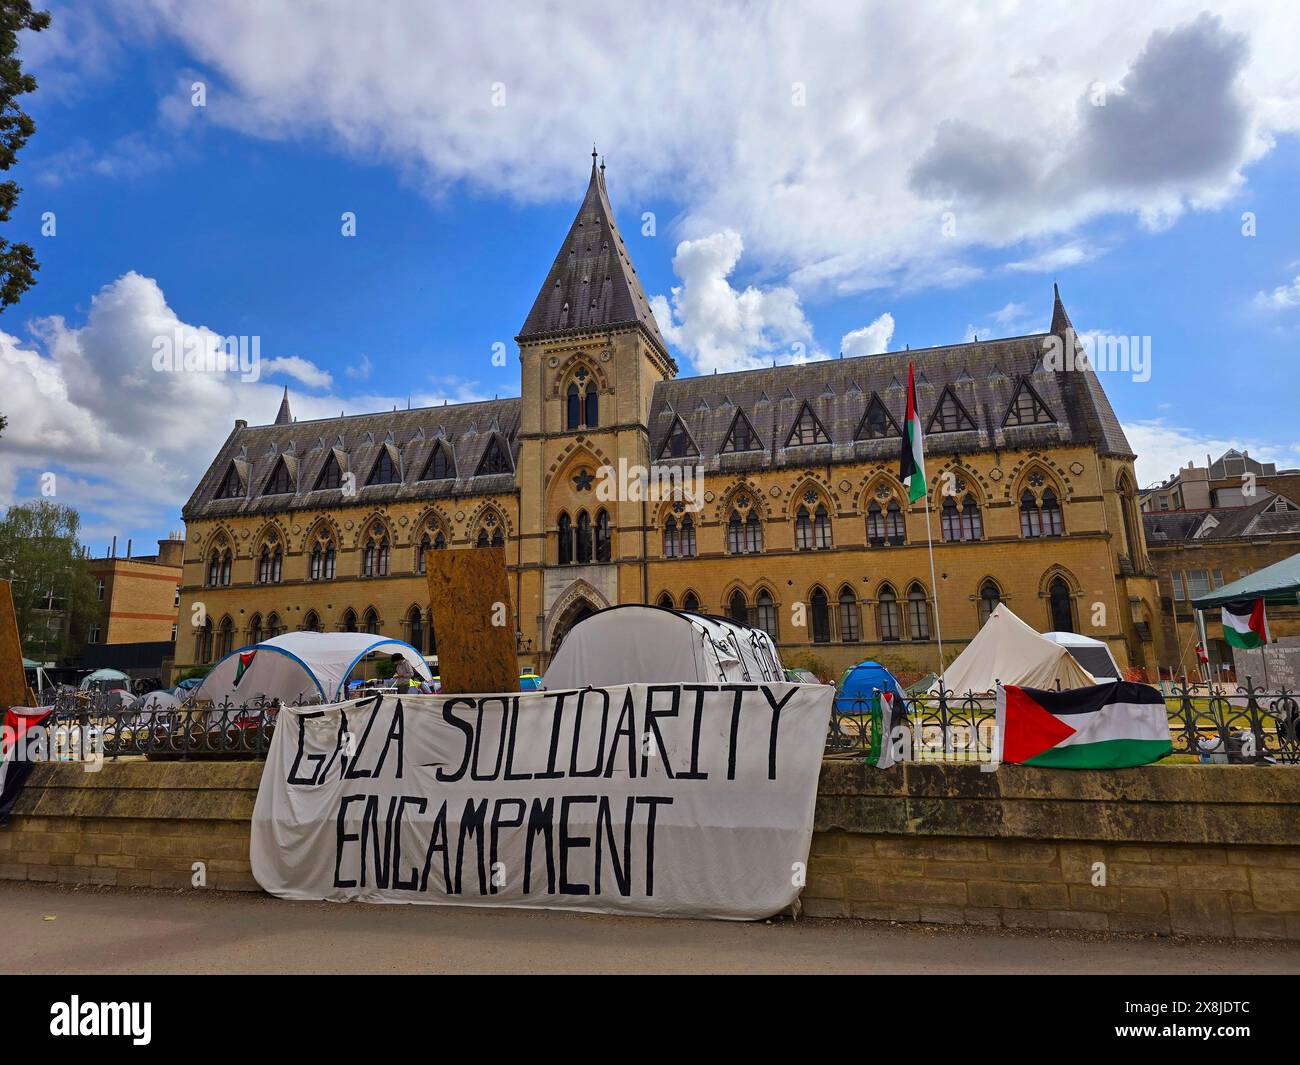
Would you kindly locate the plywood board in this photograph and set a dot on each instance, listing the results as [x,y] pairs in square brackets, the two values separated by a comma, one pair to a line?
[469,600]
[13,681]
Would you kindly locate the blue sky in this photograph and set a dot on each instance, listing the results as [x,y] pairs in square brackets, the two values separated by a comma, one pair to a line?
[783,226]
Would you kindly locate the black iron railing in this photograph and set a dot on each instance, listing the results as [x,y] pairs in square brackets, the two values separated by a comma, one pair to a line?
[1241,724]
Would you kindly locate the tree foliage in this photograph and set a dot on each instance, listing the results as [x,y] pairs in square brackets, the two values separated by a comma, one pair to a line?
[18,263]
[54,596]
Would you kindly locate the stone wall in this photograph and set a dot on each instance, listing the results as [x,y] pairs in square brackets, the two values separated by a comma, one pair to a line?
[1202,850]
[1182,849]
[133,824]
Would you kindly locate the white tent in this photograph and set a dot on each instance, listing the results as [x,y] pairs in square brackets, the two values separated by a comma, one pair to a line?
[636,644]
[299,667]
[1008,651]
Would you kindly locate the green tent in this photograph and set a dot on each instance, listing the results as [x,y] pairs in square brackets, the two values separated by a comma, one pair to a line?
[1278,583]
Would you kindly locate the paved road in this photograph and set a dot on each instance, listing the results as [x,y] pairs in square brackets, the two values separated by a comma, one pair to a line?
[128,932]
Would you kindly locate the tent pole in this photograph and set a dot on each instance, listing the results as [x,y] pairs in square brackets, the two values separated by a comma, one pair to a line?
[938,626]
[1205,646]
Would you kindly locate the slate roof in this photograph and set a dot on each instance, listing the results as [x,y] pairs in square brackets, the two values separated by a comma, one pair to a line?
[356,442]
[1223,523]
[592,284]
[983,376]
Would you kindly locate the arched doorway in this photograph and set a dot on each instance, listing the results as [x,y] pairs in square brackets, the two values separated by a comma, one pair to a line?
[578,610]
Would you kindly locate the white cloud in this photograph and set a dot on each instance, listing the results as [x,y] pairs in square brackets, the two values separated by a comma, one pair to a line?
[901,121]
[723,328]
[1053,259]
[299,369]
[1281,298]
[1163,448]
[126,441]
[871,339]
[359,370]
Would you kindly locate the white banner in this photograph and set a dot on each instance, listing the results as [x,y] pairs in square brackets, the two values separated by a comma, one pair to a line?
[689,800]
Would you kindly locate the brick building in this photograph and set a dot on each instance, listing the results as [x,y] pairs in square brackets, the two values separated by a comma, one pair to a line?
[139,595]
[1196,551]
[799,525]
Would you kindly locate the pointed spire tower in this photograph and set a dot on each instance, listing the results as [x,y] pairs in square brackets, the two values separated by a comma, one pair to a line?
[284,416]
[1060,320]
[592,285]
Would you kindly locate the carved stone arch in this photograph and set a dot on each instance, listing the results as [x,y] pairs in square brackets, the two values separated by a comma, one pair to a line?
[579,450]
[477,518]
[375,519]
[1051,573]
[811,482]
[870,488]
[428,520]
[974,484]
[728,501]
[1034,463]
[568,369]
[568,608]
[668,508]
[321,524]
[263,535]
[223,533]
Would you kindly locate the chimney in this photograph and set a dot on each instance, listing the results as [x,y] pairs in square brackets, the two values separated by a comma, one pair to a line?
[128,547]
[113,550]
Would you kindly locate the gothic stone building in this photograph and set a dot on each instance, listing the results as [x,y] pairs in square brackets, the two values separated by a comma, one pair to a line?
[804,527]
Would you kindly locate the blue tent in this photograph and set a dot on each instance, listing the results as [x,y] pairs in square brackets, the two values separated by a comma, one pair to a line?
[858,687]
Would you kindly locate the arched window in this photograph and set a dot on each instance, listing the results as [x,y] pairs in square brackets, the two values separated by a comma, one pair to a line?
[1051,510]
[735,534]
[990,597]
[315,563]
[415,628]
[349,620]
[1132,536]
[821,528]
[850,627]
[311,623]
[753,534]
[226,637]
[374,556]
[765,613]
[255,629]
[603,542]
[385,470]
[433,635]
[1031,521]
[688,537]
[431,540]
[565,538]
[737,608]
[821,615]
[574,408]
[691,604]
[803,538]
[918,613]
[270,563]
[887,619]
[214,568]
[591,405]
[498,537]
[895,532]
[875,525]
[584,538]
[1061,605]
[670,537]
[273,626]
[482,539]
[665,601]
[370,623]
[203,642]
[949,520]
[972,522]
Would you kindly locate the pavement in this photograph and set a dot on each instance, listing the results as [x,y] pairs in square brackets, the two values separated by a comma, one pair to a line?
[50,929]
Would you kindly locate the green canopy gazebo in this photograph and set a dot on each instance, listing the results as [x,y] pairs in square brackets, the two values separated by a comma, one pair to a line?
[1278,583]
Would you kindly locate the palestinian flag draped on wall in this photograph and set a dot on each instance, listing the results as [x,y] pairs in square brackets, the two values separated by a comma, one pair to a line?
[1104,726]
[911,467]
[1245,624]
[16,763]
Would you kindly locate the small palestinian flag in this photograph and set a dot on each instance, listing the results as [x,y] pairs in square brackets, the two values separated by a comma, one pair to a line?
[911,467]
[16,756]
[1245,624]
[241,667]
[1103,726]
[888,715]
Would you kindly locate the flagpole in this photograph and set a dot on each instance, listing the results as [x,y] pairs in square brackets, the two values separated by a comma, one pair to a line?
[938,626]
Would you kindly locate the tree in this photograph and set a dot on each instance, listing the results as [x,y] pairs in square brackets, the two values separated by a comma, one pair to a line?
[54,596]
[17,261]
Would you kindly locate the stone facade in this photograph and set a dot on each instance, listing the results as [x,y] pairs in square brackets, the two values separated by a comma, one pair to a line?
[810,451]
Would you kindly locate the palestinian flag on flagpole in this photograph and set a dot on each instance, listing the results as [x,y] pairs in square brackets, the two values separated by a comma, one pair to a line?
[911,467]
[1103,726]
[15,758]
[888,715]
[1245,624]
